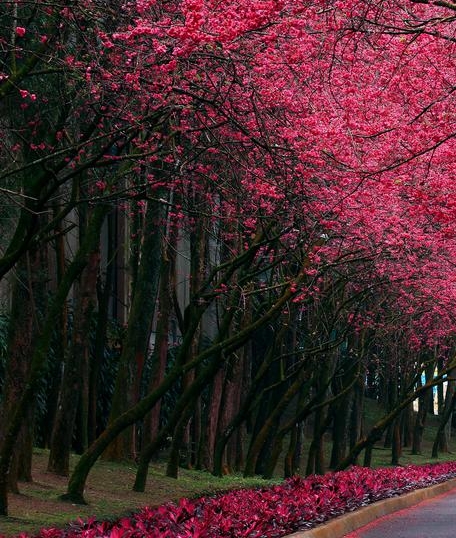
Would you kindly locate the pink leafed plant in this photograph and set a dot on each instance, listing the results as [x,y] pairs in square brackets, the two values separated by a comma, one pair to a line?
[270,512]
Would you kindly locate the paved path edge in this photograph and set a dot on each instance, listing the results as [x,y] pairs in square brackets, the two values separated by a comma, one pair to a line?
[342,525]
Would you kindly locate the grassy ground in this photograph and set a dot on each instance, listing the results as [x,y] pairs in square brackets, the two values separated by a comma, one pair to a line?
[109,487]
[108,492]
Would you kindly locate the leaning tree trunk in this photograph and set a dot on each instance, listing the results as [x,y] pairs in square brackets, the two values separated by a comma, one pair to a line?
[78,353]
[375,434]
[251,401]
[194,384]
[271,423]
[75,491]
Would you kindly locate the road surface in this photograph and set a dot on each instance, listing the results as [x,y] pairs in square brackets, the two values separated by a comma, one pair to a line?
[433,518]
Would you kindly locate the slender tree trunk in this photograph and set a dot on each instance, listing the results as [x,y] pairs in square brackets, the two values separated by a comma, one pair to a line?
[134,349]
[396,447]
[61,341]
[407,427]
[340,411]
[200,379]
[429,373]
[160,352]
[21,334]
[356,415]
[74,382]
[441,438]
[251,401]
[41,351]
[270,423]
[230,403]
[420,420]
[315,462]
[212,419]
[104,291]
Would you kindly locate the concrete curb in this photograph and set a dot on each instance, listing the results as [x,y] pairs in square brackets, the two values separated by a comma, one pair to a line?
[347,523]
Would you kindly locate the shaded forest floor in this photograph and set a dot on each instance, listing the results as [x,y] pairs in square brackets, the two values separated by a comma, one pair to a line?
[109,486]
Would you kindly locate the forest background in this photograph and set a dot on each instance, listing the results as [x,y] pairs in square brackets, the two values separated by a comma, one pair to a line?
[224,226]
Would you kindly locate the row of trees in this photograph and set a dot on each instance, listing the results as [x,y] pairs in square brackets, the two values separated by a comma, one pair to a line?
[220,223]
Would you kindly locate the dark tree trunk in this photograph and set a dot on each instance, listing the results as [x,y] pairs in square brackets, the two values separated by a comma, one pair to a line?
[134,349]
[289,460]
[212,419]
[356,414]
[420,420]
[41,351]
[159,356]
[316,458]
[230,403]
[429,373]
[27,301]
[441,438]
[74,381]
[104,291]
[396,448]
[269,425]
[340,411]
[407,427]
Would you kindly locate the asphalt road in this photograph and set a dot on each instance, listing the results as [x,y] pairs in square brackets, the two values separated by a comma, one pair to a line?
[433,518]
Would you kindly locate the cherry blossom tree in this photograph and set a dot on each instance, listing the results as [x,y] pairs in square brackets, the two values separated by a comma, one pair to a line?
[312,142]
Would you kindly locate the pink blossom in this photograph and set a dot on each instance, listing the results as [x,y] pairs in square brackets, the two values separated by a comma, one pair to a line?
[101,185]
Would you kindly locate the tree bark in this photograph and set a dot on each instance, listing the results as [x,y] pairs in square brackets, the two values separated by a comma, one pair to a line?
[79,476]
[104,291]
[420,420]
[441,437]
[134,349]
[75,370]
[41,349]
[22,330]
[377,430]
